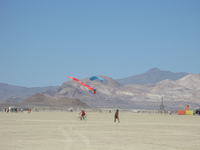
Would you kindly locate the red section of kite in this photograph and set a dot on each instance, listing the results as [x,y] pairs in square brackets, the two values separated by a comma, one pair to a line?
[85,85]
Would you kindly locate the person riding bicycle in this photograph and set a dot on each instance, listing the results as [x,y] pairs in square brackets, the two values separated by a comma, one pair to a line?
[82,114]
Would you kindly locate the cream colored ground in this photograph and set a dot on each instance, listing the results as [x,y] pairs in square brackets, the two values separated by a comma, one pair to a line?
[62,131]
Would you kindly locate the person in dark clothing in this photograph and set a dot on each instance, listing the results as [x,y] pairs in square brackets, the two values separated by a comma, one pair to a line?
[116,116]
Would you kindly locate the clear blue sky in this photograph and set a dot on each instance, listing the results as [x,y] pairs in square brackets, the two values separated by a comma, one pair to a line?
[44,41]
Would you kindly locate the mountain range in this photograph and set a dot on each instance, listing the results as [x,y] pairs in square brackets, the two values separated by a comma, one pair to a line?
[154,75]
[110,93]
[176,94]
[12,93]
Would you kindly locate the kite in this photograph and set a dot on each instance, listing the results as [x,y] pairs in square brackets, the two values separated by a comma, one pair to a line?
[87,86]
[95,77]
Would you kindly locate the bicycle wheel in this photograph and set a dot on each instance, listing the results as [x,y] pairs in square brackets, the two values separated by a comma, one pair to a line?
[85,118]
[78,118]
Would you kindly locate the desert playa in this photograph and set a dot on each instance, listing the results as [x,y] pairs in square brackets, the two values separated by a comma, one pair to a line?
[62,130]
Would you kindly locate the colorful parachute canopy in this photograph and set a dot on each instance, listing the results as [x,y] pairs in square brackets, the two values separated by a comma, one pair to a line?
[95,77]
[87,86]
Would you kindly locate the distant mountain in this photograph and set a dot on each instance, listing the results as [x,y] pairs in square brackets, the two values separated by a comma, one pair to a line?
[42,99]
[190,81]
[176,94]
[8,91]
[72,89]
[111,94]
[152,76]
[13,99]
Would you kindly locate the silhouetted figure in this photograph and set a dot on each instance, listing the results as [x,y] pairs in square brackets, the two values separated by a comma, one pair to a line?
[116,116]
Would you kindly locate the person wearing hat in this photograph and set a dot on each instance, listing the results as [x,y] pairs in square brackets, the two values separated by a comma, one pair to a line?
[82,114]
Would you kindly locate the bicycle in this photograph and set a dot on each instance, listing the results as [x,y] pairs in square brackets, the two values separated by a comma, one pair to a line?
[84,118]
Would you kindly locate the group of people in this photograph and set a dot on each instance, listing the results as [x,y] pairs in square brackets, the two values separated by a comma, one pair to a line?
[116,117]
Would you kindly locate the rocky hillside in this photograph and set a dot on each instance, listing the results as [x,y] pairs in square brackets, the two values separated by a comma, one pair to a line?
[17,94]
[46,100]
[176,94]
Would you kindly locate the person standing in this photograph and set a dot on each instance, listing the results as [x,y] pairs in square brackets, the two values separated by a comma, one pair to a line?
[116,116]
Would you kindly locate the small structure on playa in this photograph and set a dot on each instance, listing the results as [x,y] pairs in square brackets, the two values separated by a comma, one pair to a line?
[26,109]
[186,111]
[12,109]
[197,111]
[135,111]
[162,107]
[71,109]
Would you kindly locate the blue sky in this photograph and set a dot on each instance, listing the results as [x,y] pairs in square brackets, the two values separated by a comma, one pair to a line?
[44,41]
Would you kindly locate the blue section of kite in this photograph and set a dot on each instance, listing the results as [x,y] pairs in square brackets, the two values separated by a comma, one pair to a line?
[95,77]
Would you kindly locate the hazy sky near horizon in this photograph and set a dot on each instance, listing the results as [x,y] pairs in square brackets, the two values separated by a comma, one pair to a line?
[44,41]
